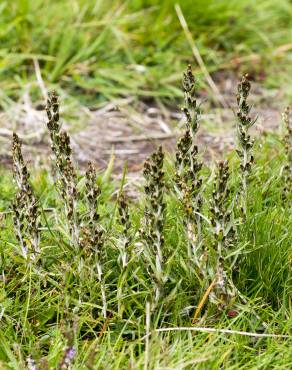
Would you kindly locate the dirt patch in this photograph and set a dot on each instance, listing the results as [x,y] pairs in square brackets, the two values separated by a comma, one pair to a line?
[128,130]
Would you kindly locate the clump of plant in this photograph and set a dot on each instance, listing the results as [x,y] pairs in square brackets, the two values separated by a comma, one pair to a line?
[81,205]
[287,169]
[154,218]
[188,182]
[26,216]
[103,280]
[245,142]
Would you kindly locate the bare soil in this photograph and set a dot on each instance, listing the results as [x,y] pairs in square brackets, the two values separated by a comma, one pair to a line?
[129,131]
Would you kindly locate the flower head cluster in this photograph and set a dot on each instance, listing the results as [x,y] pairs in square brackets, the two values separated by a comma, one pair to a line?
[187,164]
[92,234]
[223,234]
[67,178]
[68,357]
[154,218]
[191,109]
[124,218]
[26,213]
[244,122]
[155,207]
[220,212]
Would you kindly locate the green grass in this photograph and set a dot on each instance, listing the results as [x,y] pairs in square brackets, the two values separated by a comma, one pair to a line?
[56,302]
[97,50]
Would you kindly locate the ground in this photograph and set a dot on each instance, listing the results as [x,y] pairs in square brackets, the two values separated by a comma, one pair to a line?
[127,130]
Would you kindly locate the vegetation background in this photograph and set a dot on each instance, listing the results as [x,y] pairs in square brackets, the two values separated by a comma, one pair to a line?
[117,66]
[95,52]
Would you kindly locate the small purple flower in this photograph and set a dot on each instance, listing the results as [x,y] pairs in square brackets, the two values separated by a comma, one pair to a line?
[71,353]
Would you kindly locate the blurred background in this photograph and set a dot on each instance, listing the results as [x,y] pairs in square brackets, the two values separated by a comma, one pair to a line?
[117,66]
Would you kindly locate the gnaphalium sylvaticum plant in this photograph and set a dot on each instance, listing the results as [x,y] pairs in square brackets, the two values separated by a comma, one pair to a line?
[26,215]
[154,219]
[188,182]
[66,174]
[92,234]
[85,229]
[245,142]
[222,228]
